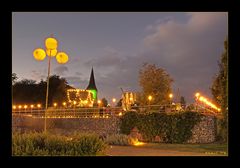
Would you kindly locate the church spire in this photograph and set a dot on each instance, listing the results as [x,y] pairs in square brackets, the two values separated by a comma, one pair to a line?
[92,85]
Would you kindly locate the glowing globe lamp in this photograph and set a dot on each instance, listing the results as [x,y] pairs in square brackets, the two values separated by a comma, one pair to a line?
[39,54]
[62,58]
[51,43]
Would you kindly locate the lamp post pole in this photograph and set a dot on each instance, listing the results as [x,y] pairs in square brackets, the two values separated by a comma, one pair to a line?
[46,106]
[61,57]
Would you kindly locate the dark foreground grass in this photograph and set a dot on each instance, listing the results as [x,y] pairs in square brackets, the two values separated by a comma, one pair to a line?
[214,149]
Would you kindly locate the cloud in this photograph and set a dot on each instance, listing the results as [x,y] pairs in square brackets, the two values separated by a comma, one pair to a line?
[37,75]
[60,70]
[78,73]
[189,50]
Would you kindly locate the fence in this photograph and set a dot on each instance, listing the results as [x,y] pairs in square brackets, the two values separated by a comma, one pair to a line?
[102,112]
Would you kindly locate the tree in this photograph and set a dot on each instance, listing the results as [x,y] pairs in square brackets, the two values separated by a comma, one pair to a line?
[57,90]
[14,78]
[155,82]
[104,102]
[219,90]
[28,91]
[182,102]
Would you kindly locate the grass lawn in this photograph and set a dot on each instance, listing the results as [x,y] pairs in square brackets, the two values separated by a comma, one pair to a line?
[210,149]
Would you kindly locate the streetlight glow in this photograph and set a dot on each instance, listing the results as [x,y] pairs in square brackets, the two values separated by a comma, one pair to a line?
[39,105]
[197,94]
[25,106]
[149,98]
[114,100]
[55,104]
[170,95]
[14,107]
[19,106]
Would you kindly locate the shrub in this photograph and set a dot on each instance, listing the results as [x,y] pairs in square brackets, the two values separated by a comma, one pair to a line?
[128,122]
[172,127]
[38,144]
[119,139]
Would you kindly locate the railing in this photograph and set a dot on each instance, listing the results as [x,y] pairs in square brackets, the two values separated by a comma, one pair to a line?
[100,112]
[70,113]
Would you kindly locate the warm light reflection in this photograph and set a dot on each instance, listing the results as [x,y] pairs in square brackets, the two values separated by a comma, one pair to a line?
[137,143]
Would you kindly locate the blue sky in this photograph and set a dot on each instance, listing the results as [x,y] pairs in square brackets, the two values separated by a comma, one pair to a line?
[187,45]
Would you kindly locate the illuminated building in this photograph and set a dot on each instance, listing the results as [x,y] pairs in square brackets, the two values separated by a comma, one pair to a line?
[128,99]
[84,98]
[92,87]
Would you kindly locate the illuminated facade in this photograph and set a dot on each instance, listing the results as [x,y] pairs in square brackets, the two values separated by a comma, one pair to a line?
[80,98]
[128,99]
[84,98]
[92,87]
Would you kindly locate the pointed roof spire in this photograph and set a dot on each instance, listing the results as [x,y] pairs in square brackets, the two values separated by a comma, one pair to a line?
[92,85]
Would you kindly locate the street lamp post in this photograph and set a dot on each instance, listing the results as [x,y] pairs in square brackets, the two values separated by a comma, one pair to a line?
[51,50]
[149,99]
[170,97]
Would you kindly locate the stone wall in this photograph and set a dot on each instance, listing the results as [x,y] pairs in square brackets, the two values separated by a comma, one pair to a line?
[67,125]
[204,132]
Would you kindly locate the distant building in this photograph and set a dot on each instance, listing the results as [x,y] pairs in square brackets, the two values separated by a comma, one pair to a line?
[92,87]
[128,100]
[81,97]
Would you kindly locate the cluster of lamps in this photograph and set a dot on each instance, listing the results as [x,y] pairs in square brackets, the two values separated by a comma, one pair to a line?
[206,102]
[32,106]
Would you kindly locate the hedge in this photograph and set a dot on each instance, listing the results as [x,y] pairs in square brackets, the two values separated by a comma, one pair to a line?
[171,127]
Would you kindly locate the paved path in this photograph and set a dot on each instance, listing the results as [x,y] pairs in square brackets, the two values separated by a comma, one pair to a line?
[145,151]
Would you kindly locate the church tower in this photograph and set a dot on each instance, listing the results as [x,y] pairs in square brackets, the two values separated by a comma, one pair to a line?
[92,86]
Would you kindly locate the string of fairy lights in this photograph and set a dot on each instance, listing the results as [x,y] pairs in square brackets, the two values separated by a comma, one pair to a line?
[203,100]
[81,97]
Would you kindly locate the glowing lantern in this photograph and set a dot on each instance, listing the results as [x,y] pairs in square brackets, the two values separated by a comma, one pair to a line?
[39,54]
[62,58]
[51,43]
[51,53]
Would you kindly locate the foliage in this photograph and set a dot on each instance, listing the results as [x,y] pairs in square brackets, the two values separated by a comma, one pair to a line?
[41,144]
[119,139]
[172,128]
[128,122]
[104,102]
[220,91]
[155,82]
[14,78]
[28,91]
